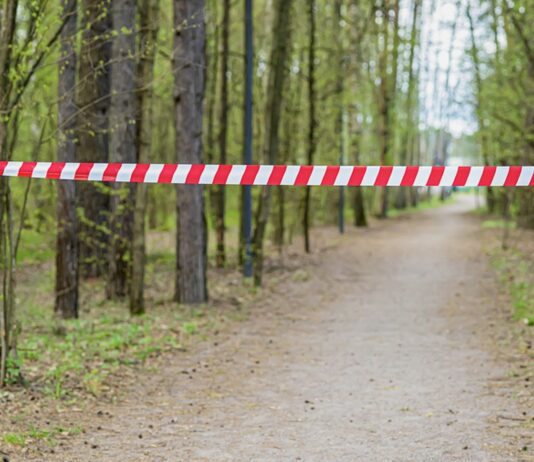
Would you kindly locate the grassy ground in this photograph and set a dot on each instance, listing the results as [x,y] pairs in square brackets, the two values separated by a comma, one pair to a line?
[515,266]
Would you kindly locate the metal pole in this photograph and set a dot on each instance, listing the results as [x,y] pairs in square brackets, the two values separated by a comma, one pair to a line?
[247,192]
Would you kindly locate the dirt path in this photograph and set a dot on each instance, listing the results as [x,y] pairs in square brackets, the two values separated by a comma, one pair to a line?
[374,355]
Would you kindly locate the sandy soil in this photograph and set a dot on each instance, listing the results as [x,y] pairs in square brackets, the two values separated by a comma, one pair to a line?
[377,353]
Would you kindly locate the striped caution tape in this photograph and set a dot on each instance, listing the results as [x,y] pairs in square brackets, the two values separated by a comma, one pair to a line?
[273,175]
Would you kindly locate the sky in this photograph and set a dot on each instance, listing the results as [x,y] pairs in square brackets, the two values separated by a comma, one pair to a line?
[444,45]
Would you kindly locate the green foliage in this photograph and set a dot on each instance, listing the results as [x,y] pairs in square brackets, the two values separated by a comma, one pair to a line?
[13,370]
[15,439]
[492,224]
[190,327]
[32,434]
[516,275]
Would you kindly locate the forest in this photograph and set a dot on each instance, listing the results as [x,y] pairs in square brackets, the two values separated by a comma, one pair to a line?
[333,82]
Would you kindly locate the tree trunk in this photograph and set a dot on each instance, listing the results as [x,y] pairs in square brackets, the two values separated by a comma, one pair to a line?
[220,199]
[384,104]
[408,129]
[189,62]
[123,146]
[66,304]
[483,136]
[275,90]
[7,257]
[525,212]
[93,101]
[312,123]
[148,34]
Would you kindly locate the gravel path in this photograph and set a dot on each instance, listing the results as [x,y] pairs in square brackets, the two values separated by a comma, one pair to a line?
[375,354]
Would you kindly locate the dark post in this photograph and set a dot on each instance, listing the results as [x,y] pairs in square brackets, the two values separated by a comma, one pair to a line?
[247,193]
[341,216]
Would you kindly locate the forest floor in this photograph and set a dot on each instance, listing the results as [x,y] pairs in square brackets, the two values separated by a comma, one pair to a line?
[394,343]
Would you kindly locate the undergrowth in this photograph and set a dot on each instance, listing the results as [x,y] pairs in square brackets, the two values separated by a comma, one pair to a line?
[516,274]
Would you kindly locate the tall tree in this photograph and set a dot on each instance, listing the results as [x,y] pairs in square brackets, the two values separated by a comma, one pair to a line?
[409,127]
[188,65]
[312,121]
[123,146]
[93,101]
[275,90]
[220,197]
[522,19]
[148,34]
[358,32]
[66,304]
[479,106]
[8,20]
[388,65]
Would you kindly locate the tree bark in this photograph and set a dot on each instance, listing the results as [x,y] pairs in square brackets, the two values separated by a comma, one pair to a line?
[408,129]
[148,34]
[123,146]
[358,202]
[275,90]
[8,19]
[220,198]
[93,101]
[384,103]
[312,122]
[189,64]
[66,303]
[490,196]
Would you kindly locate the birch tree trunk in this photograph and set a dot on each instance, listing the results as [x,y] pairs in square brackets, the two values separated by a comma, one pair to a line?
[123,146]
[189,70]
[66,303]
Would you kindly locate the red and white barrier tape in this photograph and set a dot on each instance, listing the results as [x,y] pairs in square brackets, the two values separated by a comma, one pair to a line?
[290,175]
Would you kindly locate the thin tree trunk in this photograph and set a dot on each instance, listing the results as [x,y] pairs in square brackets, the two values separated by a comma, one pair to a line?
[312,123]
[220,256]
[407,131]
[292,113]
[360,217]
[212,75]
[66,304]
[340,103]
[93,101]
[189,63]
[490,196]
[384,104]
[7,261]
[388,88]
[123,146]
[275,90]
[148,33]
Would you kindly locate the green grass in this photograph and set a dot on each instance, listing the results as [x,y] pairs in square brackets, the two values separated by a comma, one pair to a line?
[15,439]
[516,275]
[498,224]
[36,247]
[62,355]
[32,434]
[99,346]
